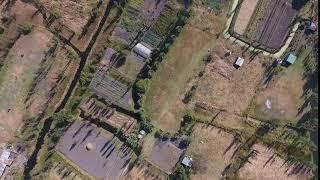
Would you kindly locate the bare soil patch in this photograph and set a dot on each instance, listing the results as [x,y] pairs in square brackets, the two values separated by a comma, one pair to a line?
[243,18]
[58,69]
[226,87]
[144,171]
[284,94]
[74,14]
[212,150]
[16,77]
[267,165]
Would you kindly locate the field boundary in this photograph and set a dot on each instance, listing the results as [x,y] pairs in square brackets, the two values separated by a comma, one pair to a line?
[226,33]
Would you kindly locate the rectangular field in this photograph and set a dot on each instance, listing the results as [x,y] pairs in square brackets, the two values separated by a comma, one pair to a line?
[267,165]
[276,24]
[211,150]
[95,150]
[244,15]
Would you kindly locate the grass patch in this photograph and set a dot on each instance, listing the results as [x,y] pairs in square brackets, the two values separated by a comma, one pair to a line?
[172,77]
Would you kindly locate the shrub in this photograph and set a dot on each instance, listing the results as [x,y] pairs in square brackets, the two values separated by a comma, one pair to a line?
[142,86]
[26,28]
[132,141]
[188,96]
[1,30]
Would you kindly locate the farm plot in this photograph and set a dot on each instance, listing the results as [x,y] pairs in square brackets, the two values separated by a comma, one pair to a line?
[243,18]
[283,96]
[131,19]
[74,14]
[267,165]
[276,24]
[98,110]
[151,10]
[156,34]
[52,80]
[16,77]
[13,19]
[163,100]
[212,150]
[112,90]
[144,171]
[225,87]
[94,150]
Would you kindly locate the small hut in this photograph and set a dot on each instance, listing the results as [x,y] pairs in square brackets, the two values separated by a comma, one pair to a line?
[239,62]
[290,59]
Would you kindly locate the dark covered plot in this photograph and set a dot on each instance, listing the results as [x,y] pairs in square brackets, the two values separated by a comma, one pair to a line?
[112,90]
[277,22]
[165,155]
[95,150]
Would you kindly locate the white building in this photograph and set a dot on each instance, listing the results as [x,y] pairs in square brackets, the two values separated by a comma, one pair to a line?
[4,161]
[239,61]
[142,50]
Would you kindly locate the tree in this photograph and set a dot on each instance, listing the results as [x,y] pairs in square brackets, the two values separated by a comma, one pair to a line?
[142,86]
[132,141]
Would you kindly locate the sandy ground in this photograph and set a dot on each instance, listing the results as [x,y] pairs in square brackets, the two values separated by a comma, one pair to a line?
[243,18]
[209,150]
[16,76]
[265,167]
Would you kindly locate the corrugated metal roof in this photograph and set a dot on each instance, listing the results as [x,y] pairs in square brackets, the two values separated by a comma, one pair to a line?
[239,61]
[291,58]
[142,50]
[2,168]
[187,161]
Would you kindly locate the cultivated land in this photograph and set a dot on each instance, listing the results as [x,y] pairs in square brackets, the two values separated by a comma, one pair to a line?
[163,100]
[181,63]
[17,75]
[285,94]
[212,150]
[244,15]
[74,14]
[267,165]
[43,84]
[225,87]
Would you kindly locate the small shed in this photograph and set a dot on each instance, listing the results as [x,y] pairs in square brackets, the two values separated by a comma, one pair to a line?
[239,61]
[312,26]
[142,50]
[187,161]
[290,59]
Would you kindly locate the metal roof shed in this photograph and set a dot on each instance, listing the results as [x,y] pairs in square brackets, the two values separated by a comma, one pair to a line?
[290,59]
[187,161]
[239,61]
[142,50]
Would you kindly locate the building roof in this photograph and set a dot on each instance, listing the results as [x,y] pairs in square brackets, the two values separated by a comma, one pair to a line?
[142,50]
[4,158]
[165,155]
[187,161]
[95,150]
[239,61]
[2,168]
[290,58]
